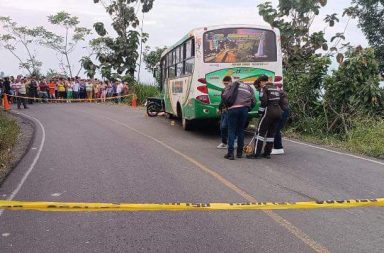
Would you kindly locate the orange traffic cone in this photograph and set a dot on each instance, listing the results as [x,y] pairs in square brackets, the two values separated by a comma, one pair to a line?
[6,105]
[134,101]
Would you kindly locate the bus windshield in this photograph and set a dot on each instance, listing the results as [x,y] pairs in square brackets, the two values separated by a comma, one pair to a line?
[234,45]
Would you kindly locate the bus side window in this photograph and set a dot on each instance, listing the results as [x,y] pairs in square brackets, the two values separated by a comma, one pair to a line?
[188,49]
[162,73]
[193,47]
[189,66]
[189,56]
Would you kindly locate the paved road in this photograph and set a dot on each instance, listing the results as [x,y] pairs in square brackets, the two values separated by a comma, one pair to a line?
[106,153]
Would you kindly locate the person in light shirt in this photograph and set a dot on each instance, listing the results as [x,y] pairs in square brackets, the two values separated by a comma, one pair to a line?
[21,92]
[119,90]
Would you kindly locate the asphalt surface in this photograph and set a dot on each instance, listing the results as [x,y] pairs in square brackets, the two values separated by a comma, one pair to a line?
[109,153]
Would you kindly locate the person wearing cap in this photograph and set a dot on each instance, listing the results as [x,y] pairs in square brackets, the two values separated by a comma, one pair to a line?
[273,102]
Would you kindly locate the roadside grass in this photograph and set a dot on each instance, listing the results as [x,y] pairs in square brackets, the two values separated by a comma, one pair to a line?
[366,138]
[142,91]
[9,130]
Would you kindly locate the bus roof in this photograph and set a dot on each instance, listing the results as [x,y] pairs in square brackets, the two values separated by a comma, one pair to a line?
[215,27]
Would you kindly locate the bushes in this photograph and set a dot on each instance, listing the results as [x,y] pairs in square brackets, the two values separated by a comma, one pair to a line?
[143,91]
[344,109]
[9,130]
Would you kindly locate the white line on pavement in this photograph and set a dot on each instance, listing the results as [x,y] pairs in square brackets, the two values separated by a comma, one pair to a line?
[32,164]
[336,152]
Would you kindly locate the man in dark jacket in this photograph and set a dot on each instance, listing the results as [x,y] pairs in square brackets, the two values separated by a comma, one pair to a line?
[237,116]
[32,90]
[224,116]
[278,144]
[7,86]
[273,102]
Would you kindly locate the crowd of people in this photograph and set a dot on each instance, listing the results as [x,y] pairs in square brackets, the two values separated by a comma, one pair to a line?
[237,99]
[26,90]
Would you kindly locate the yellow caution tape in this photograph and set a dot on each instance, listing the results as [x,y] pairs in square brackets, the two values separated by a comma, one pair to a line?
[92,207]
[70,99]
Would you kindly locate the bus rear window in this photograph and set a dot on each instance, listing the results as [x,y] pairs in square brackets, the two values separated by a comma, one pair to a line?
[234,45]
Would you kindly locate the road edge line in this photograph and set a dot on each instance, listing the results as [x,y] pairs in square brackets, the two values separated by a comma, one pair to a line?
[32,166]
[335,152]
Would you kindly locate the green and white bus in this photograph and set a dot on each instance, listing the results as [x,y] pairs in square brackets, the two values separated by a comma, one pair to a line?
[192,70]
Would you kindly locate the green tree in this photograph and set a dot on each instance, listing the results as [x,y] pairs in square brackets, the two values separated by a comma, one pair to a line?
[353,90]
[89,67]
[65,44]
[118,56]
[294,19]
[15,36]
[304,65]
[371,18]
[51,73]
[152,59]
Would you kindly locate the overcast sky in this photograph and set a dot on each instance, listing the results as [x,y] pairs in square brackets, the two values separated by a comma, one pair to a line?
[167,22]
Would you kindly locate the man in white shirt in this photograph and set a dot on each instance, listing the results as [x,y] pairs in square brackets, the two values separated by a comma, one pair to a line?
[76,89]
[119,90]
[21,92]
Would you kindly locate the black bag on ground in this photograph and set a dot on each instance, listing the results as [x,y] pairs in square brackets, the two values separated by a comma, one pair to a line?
[229,96]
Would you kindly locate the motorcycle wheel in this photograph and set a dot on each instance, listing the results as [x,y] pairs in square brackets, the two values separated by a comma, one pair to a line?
[152,110]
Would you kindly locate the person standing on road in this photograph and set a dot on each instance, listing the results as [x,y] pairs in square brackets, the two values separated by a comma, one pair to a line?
[32,87]
[104,90]
[273,102]
[69,87]
[224,116]
[61,89]
[43,91]
[243,101]
[76,89]
[278,144]
[83,89]
[119,90]
[7,86]
[52,87]
[89,89]
[21,92]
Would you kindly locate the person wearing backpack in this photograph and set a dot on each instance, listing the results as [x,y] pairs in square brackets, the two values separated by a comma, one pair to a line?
[239,98]
[273,103]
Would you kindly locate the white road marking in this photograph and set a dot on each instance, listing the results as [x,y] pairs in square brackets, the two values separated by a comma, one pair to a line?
[336,152]
[32,164]
[5,234]
[58,194]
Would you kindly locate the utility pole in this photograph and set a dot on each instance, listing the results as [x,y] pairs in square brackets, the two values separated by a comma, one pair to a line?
[141,48]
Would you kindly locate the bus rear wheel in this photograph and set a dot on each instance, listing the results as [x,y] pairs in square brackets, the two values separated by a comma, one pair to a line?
[187,124]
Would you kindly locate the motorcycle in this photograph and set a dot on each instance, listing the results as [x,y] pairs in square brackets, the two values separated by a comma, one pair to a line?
[154,106]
